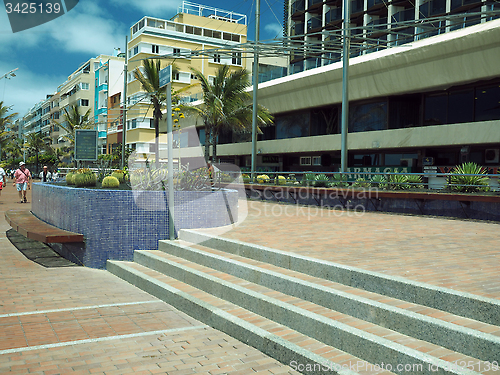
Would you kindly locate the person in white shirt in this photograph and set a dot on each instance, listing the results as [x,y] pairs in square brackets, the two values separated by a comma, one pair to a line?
[45,175]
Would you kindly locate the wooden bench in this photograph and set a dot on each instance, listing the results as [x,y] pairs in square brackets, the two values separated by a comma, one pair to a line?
[27,224]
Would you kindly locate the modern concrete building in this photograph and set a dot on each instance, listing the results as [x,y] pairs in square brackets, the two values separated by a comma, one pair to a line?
[433,101]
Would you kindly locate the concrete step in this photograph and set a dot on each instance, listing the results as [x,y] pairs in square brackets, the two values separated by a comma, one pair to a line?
[359,338]
[423,323]
[463,304]
[299,351]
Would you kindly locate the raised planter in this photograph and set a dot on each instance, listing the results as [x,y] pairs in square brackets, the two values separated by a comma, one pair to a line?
[117,222]
[465,206]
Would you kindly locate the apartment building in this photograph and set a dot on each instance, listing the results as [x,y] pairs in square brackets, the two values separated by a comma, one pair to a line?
[195,27]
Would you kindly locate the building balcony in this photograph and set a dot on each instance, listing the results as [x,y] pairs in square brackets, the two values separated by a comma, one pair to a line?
[298,6]
[103,87]
[405,15]
[333,15]
[313,23]
[433,8]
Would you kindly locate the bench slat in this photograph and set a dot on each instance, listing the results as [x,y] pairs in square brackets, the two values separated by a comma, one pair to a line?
[28,225]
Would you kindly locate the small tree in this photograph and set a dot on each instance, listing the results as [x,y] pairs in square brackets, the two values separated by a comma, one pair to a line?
[227,105]
[35,143]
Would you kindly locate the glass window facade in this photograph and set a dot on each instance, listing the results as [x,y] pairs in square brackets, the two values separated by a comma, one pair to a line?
[292,125]
[368,117]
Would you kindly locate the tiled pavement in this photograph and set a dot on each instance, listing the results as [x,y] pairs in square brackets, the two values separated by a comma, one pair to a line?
[76,320]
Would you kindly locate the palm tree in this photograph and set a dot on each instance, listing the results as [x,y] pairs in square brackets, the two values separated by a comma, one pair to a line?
[36,142]
[5,118]
[227,105]
[150,82]
[74,121]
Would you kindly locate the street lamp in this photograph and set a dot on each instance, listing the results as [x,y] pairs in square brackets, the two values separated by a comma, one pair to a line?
[9,74]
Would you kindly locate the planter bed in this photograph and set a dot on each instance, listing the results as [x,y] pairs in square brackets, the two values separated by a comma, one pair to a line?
[117,222]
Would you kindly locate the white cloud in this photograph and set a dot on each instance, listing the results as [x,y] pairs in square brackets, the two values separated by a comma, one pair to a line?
[27,88]
[154,8]
[273,30]
[84,29]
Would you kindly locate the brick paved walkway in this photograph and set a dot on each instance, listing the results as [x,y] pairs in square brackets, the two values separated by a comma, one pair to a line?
[77,320]
[456,254]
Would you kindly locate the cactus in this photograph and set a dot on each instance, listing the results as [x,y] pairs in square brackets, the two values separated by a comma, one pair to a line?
[119,175]
[110,182]
[85,177]
[70,178]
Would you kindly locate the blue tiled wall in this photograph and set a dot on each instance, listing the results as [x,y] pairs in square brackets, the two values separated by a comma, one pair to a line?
[117,222]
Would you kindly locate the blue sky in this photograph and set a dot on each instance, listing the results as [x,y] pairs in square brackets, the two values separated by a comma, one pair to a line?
[47,54]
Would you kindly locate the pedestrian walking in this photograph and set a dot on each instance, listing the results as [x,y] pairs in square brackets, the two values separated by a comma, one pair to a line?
[22,178]
[45,174]
[3,181]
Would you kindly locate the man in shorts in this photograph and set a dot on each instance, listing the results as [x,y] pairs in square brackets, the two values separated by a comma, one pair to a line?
[3,181]
[22,178]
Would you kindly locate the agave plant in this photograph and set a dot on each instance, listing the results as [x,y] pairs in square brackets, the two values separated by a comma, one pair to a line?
[361,183]
[378,181]
[414,181]
[397,182]
[308,179]
[461,181]
[321,180]
[339,180]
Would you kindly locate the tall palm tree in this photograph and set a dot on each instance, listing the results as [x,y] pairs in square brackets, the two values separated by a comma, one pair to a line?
[227,105]
[74,121]
[36,142]
[5,118]
[150,82]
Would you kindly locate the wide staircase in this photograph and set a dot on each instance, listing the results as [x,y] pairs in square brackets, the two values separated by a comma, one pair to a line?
[320,317]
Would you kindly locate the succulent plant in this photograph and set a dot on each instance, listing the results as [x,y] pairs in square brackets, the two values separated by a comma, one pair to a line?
[119,175]
[263,178]
[361,183]
[70,178]
[308,179]
[110,182]
[468,184]
[378,181]
[84,177]
[339,180]
[321,180]
[280,180]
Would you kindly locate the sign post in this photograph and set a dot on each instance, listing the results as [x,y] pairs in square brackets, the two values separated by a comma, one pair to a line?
[165,77]
[86,144]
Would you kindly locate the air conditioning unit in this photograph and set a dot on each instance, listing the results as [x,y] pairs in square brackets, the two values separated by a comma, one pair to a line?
[492,155]
[407,162]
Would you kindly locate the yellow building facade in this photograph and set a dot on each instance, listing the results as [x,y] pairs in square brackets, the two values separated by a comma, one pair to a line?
[194,28]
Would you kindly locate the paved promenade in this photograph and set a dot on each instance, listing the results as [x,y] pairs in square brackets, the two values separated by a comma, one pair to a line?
[76,320]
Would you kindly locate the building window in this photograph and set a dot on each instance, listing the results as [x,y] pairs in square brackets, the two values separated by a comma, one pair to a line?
[292,125]
[136,50]
[216,58]
[84,102]
[435,109]
[236,58]
[368,117]
[152,123]
[305,160]
[487,103]
[404,111]
[155,49]
[84,86]
[177,52]
[316,160]
[176,77]
[461,106]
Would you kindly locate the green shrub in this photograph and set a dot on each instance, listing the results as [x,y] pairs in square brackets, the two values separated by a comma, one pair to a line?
[476,183]
[280,180]
[110,182]
[361,183]
[85,177]
[263,179]
[119,175]
[70,178]
[378,181]
[414,181]
[246,178]
[397,182]
[339,180]
[308,179]
[321,180]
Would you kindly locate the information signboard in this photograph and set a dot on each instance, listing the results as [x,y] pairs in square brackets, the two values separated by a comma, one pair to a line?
[86,144]
[165,76]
